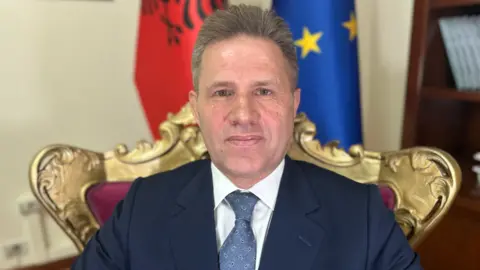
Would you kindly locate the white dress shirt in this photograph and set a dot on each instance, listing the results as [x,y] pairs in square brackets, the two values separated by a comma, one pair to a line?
[266,190]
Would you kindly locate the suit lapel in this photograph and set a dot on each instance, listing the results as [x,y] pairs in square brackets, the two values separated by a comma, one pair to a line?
[295,234]
[192,231]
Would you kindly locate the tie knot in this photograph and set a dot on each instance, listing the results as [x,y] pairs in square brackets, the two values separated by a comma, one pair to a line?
[242,204]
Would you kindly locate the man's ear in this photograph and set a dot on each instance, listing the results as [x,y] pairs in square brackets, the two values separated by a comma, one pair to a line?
[296,100]
[192,99]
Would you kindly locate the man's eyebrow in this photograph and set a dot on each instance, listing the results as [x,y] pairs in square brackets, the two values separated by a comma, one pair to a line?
[230,84]
[220,84]
[264,83]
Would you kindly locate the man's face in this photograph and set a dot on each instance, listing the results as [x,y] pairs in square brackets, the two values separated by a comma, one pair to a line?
[245,106]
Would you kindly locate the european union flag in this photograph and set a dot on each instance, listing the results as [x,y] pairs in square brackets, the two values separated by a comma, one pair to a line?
[325,33]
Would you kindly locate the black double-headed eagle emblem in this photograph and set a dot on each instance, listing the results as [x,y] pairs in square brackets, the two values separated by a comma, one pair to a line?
[176,28]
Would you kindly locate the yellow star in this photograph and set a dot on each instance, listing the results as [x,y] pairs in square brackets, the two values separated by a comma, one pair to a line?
[351,26]
[308,42]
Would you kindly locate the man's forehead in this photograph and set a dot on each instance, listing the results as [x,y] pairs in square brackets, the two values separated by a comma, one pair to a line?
[243,62]
[243,48]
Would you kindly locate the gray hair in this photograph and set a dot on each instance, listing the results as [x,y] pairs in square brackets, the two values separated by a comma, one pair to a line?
[244,20]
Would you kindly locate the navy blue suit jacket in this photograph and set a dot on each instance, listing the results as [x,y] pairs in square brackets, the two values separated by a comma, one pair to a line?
[321,221]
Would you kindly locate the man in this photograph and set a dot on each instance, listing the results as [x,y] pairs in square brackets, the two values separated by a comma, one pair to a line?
[250,207]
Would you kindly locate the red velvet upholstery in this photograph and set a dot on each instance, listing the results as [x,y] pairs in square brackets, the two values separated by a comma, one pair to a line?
[102,198]
[388,197]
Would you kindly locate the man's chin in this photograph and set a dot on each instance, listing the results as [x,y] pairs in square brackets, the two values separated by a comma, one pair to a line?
[244,166]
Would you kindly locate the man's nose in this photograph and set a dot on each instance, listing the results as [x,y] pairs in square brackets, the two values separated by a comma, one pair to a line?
[243,110]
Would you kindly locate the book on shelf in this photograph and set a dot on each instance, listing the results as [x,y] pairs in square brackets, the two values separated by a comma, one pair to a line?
[461,36]
[476,167]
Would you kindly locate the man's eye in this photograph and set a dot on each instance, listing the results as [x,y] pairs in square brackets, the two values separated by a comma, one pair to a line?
[222,93]
[264,92]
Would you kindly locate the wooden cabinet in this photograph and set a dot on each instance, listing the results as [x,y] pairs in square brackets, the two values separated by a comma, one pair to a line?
[438,115]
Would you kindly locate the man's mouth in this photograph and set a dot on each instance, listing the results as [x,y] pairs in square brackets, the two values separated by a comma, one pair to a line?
[244,140]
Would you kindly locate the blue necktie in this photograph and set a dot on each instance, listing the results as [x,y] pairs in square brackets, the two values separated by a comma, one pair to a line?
[239,249]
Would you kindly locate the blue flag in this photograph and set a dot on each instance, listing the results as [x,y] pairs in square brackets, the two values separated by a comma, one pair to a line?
[325,34]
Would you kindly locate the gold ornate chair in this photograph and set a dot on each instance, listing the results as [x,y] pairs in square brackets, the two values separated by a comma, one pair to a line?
[418,184]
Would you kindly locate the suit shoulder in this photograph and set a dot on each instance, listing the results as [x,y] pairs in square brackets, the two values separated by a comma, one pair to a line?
[338,193]
[326,179]
[172,181]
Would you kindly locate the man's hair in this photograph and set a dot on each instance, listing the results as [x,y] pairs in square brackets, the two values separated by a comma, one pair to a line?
[246,20]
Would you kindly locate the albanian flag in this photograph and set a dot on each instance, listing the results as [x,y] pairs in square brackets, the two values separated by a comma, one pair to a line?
[166,36]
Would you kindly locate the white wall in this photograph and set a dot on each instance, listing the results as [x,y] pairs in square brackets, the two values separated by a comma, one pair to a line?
[384,44]
[66,77]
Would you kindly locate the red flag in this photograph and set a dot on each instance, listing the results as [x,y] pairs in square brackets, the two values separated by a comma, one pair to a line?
[166,35]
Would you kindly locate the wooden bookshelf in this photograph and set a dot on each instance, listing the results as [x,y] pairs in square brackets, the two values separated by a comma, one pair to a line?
[450,94]
[439,115]
[453,3]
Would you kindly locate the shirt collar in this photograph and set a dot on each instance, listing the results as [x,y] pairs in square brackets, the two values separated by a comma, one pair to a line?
[266,189]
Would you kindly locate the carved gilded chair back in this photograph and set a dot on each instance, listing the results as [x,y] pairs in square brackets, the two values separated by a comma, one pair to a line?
[424,180]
